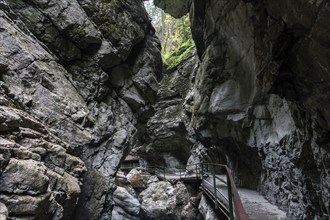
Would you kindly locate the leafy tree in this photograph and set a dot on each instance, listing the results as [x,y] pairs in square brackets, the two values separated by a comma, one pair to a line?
[174,34]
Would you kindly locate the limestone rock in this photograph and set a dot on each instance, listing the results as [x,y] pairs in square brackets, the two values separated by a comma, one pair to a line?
[254,93]
[120,213]
[252,103]
[175,8]
[27,205]
[163,201]
[169,128]
[79,80]
[61,108]
[3,212]
[126,201]
[138,178]
[29,178]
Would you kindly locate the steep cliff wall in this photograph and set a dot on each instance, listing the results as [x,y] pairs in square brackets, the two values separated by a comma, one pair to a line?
[169,130]
[261,96]
[77,78]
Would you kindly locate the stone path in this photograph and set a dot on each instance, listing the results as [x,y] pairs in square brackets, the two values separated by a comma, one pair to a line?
[258,208]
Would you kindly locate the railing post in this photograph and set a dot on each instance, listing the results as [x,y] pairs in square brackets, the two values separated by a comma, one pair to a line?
[215,187]
[180,173]
[202,170]
[196,171]
[164,172]
[230,197]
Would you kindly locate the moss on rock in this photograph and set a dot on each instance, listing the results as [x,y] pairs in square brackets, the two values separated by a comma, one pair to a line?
[172,60]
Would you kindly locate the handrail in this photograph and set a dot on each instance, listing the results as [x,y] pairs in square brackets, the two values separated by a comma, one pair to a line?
[237,201]
[235,206]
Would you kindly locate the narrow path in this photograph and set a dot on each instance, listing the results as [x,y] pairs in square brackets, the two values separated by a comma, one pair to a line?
[258,208]
[255,205]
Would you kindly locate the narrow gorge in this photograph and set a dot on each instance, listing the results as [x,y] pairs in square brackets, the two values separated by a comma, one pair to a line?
[83,86]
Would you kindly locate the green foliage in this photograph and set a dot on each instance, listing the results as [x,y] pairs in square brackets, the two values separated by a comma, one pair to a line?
[110,27]
[173,59]
[174,34]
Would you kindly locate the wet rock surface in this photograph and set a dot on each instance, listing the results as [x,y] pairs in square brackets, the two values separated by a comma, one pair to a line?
[170,135]
[77,77]
[78,84]
[259,99]
[39,178]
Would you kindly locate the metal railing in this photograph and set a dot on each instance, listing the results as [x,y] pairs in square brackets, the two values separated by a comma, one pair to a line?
[222,182]
[217,182]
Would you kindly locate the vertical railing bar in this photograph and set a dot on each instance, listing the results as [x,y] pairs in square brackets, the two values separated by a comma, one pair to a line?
[215,187]
[230,197]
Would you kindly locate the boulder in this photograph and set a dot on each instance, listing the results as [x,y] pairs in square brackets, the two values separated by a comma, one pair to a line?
[126,201]
[162,200]
[3,212]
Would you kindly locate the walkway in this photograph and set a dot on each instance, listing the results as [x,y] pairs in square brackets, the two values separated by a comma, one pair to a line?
[258,208]
[217,183]
[255,205]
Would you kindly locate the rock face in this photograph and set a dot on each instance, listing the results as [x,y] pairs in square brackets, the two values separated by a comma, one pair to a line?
[39,178]
[125,205]
[260,99]
[169,130]
[76,79]
[163,201]
[176,8]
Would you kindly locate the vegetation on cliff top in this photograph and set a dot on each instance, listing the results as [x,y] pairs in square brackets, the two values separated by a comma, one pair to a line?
[174,34]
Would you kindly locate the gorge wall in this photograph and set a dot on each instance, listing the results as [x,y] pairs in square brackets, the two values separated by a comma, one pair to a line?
[79,83]
[77,79]
[259,99]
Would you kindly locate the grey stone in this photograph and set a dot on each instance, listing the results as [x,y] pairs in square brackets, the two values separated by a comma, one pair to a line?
[249,91]
[3,66]
[161,200]
[119,75]
[255,99]
[169,126]
[126,201]
[120,213]
[175,8]
[225,98]
[57,101]
[29,178]
[25,204]
[133,97]
[3,212]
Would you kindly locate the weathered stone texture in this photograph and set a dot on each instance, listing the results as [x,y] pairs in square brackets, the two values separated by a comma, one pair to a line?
[76,79]
[260,98]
